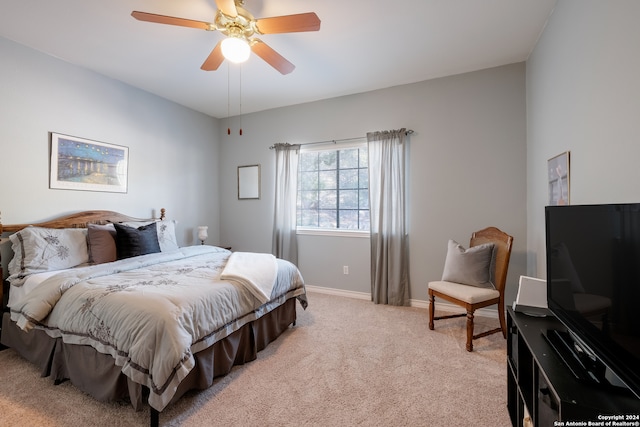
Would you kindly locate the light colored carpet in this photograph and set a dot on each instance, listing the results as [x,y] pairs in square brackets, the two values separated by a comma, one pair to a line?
[348,362]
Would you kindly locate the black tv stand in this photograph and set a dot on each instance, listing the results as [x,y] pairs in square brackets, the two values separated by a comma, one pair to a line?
[558,385]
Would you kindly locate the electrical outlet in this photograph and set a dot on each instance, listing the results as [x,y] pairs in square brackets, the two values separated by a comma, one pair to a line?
[345,269]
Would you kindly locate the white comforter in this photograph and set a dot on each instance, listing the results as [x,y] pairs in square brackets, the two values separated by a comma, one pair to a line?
[151,313]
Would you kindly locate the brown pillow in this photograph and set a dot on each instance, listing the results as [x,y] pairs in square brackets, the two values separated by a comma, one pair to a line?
[101,243]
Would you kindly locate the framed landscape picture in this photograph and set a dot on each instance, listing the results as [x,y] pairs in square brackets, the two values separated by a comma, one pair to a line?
[559,184]
[83,164]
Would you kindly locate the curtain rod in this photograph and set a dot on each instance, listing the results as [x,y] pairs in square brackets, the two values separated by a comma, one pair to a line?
[335,141]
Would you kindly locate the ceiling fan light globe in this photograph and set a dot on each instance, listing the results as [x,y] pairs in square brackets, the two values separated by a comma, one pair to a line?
[235,49]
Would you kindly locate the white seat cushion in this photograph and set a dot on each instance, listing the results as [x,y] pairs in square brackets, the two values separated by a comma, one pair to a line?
[466,293]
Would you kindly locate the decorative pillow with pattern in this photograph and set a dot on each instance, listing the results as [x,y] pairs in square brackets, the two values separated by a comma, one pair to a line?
[38,249]
[167,235]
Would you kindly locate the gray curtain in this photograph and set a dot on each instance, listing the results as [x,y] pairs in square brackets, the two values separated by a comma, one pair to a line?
[389,239]
[284,243]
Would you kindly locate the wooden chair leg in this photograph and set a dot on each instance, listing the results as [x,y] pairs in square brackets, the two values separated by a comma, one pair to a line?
[431,310]
[469,330]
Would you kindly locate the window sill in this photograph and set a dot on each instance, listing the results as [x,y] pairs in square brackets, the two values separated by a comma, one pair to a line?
[332,232]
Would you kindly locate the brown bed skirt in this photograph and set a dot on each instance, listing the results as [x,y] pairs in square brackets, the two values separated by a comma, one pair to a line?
[96,373]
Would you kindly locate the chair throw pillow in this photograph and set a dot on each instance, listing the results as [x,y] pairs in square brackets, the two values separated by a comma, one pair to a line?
[469,266]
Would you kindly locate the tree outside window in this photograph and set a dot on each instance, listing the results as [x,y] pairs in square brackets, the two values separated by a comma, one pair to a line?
[333,189]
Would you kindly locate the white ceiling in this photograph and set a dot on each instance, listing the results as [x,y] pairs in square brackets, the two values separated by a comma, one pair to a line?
[362,45]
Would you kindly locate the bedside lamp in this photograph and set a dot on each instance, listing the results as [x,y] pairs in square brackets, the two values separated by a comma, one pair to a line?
[202,233]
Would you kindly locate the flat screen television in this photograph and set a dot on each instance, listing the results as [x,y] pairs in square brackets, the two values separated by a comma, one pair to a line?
[593,288]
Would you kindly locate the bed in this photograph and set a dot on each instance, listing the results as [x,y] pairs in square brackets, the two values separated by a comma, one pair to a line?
[112,304]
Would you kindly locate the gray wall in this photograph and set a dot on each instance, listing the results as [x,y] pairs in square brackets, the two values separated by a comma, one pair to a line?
[467,171]
[470,165]
[583,95]
[173,151]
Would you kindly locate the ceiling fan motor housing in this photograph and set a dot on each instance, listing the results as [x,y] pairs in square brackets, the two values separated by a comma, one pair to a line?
[243,25]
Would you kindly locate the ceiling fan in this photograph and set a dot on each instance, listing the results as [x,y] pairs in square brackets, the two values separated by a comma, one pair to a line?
[239,27]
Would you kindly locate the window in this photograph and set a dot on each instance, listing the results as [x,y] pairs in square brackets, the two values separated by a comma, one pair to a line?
[333,189]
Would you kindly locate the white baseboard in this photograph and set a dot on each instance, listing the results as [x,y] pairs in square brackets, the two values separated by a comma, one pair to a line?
[444,306]
[339,292]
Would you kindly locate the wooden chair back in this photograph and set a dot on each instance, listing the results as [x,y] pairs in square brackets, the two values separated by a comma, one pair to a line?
[502,242]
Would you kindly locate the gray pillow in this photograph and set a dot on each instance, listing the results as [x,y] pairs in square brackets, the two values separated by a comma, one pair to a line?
[469,266]
[102,243]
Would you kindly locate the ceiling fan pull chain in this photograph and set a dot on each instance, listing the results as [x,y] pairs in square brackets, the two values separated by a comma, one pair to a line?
[240,100]
[228,99]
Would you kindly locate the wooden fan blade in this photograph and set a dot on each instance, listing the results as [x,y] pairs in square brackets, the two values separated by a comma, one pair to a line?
[289,23]
[272,57]
[214,59]
[228,7]
[171,20]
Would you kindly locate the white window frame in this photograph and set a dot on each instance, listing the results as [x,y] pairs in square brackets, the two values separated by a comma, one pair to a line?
[313,231]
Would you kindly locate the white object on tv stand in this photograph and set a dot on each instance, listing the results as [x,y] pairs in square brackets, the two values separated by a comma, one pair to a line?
[532,296]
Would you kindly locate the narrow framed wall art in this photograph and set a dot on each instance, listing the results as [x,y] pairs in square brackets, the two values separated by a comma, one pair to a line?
[559,179]
[84,164]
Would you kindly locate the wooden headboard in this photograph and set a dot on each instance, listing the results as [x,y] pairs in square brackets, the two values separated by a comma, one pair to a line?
[79,220]
[76,220]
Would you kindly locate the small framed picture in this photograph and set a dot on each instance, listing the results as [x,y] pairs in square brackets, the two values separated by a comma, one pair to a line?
[83,164]
[559,179]
[249,182]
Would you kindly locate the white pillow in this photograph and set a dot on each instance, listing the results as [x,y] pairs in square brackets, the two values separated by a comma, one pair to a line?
[167,235]
[38,249]
[471,266]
